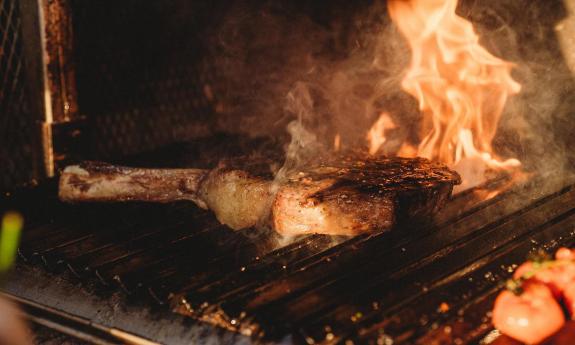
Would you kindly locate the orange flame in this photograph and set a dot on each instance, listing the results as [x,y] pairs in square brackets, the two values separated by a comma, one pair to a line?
[460,86]
[376,134]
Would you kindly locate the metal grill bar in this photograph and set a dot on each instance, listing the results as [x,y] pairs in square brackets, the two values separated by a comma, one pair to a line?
[171,272]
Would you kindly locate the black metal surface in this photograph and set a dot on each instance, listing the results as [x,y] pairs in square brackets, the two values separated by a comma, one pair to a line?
[318,289]
[47,336]
[141,79]
[53,326]
[20,146]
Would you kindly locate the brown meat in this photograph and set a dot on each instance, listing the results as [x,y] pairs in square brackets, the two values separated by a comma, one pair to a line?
[343,196]
[349,196]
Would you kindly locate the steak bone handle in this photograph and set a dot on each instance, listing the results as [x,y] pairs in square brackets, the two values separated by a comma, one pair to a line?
[95,181]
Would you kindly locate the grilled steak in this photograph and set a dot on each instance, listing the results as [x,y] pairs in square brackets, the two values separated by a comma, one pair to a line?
[349,196]
[343,196]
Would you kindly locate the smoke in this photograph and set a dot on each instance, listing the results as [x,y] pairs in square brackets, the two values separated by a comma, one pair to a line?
[331,70]
[321,66]
[306,73]
[535,123]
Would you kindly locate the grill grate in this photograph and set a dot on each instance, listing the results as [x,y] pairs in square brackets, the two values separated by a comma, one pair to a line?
[371,288]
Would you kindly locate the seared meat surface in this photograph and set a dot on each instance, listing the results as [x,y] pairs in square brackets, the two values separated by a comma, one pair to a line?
[343,196]
[349,196]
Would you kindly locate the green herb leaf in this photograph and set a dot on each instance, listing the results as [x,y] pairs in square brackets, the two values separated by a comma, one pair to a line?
[12,223]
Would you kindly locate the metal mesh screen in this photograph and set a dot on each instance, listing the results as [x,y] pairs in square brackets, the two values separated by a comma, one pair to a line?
[158,72]
[141,81]
[19,130]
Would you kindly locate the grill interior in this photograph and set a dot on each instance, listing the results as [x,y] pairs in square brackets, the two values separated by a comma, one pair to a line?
[20,148]
[414,284]
[162,73]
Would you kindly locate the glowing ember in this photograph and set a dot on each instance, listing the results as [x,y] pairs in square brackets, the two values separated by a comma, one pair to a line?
[460,86]
[337,142]
[376,135]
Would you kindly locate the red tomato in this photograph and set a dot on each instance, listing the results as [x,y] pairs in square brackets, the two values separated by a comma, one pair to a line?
[529,317]
[565,254]
[569,298]
[557,277]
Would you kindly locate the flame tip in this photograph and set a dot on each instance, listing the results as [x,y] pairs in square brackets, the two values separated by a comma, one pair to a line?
[460,86]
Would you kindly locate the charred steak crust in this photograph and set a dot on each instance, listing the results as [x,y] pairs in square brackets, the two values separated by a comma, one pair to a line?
[380,175]
[350,195]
